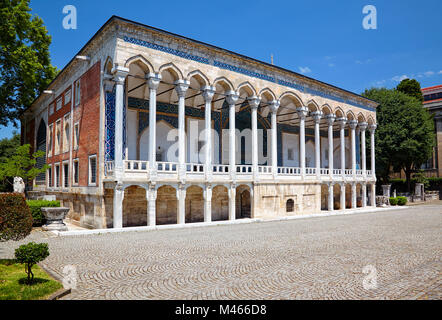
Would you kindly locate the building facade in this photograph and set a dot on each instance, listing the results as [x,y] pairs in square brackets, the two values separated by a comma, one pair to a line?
[145,127]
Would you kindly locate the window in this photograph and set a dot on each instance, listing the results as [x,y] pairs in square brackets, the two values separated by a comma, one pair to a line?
[290,154]
[77,93]
[58,104]
[57,176]
[50,176]
[51,109]
[76,135]
[57,137]
[75,172]
[93,170]
[65,174]
[67,134]
[67,97]
[290,205]
[50,142]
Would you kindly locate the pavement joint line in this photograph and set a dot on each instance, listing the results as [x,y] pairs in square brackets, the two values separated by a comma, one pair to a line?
[219,223]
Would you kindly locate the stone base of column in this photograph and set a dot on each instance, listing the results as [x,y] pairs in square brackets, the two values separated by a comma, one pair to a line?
[232,203]
[118,206]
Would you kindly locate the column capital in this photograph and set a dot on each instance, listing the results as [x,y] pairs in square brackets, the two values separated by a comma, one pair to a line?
[153,80]
[181,87]
[363,126]
[232,97]
[341,122]
[330,118]
[317,115]
[254,102]
[120,73]
[302,112]
[372,127]
[353,124]
[208,92]
[274,106]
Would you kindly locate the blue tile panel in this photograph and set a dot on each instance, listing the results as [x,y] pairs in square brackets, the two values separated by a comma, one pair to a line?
[109,148]
[244,71]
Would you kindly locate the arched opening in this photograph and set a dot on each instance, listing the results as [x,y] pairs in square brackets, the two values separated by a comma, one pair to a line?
[337,197]
[41,146]
[194,204]
[166,205]
[243,202]
[164,143]
[324,197]
[134,207]
[220,203]
[290,206]
[358,195]
[348,196]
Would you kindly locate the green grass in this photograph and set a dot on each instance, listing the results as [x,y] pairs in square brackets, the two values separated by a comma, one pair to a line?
[13,282]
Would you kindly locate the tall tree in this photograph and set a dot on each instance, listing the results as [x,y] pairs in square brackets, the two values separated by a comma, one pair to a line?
[25,65]
[405,134]
[8,148]
[412,88]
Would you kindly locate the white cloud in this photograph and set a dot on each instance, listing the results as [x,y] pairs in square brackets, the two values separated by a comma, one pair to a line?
[331,65]
[399,78]
[440,72]
[428,73]
[305,70]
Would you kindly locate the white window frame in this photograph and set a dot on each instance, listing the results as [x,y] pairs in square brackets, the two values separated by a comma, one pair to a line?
[49,178]
[50,139]
[75,161]
[67,96]
[75,137]
[51,109]
[92,184]
[66,140]
[58,142]
[59,103]
[56,176]
[77,92]
[63,178]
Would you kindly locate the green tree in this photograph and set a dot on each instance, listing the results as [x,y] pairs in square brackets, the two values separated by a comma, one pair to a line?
[30,254]
[412,88]
[22,164]
[25,65]
[405,134]
[8,147]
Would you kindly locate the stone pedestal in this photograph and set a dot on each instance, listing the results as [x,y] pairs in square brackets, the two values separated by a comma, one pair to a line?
[54,218]
[386,190]
[419,192]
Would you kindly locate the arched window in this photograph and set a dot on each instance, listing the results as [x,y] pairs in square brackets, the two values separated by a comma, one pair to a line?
[290,205]
[41,146]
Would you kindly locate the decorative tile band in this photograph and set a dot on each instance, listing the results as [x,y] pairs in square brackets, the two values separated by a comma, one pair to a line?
[244,71]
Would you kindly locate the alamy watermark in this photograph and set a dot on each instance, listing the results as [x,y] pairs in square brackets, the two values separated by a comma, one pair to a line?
[370,21]
[70,20]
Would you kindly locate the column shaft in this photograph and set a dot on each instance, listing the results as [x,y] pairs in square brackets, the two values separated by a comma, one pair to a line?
[232,203]
[317,119]
[208,93]
[118,206]
[254,103]
[232,98]
[151,195]
[342,196]
[208,204]
[330,197]
[153,83]
[181,88]
[181,196]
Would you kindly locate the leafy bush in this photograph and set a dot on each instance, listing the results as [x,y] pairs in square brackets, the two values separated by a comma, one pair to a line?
[15,217]
[30,254]
[401,201]
[36,205]
[435,184]
[393,201]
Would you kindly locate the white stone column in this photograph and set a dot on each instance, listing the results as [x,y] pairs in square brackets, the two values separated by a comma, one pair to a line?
[118,206]
[330,119]
[153,81]
[353,195]
[181,197]
[274,106]
[232,98]
[342,122]
[342,196]
[330,197]
[372,129]
[181,87]
[364,194]
[208,93]
[151,195]
[232,202]
[317,119]
[352,124]
[362,128]
[208,203]
[120,74]
[254,104]
[373,194]
[302,114]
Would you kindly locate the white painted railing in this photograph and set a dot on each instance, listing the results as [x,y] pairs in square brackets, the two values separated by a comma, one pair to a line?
[369,173]
[324,171]
[108,167]
[220,169]
[167,167]
[136,166]
[195,168]
[244,169]
[289,170]
[264,169]
[310,171]
[337,172]
[348,172]
[359,172]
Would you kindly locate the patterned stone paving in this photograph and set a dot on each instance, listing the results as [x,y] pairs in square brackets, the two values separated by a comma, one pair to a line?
[318,258]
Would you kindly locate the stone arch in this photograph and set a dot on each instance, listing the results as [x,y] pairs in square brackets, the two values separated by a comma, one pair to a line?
[134,206]
[350,115]
[293,98]
[197,81]
[370,120]
[358,195]
[247,88]
[267,95]
[326,109]
[313,106]
[166,205]
[141,61]
[347,195]
[194,204]
[199,77]
[337,196]
[361,117]
[107,66]
[172,69]
[324,197]
[220,203]
[339,113]
[290,206]
[243,202]
[224,84]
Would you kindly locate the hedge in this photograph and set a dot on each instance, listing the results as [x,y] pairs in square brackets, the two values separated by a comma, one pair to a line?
[401,201]
[393,201]
[36,205]
[435,184]
[15,217]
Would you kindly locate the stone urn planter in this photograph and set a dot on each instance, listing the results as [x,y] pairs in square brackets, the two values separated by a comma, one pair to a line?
[54,218]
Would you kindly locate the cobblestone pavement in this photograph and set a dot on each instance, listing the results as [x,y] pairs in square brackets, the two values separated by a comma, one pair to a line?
[318,258]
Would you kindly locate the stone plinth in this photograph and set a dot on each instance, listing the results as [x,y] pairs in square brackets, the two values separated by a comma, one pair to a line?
[54,218]
[386,190]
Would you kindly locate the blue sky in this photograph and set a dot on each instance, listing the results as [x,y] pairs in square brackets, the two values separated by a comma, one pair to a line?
[322,39]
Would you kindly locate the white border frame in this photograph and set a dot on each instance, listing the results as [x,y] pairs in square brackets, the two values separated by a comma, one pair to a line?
[91,184]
